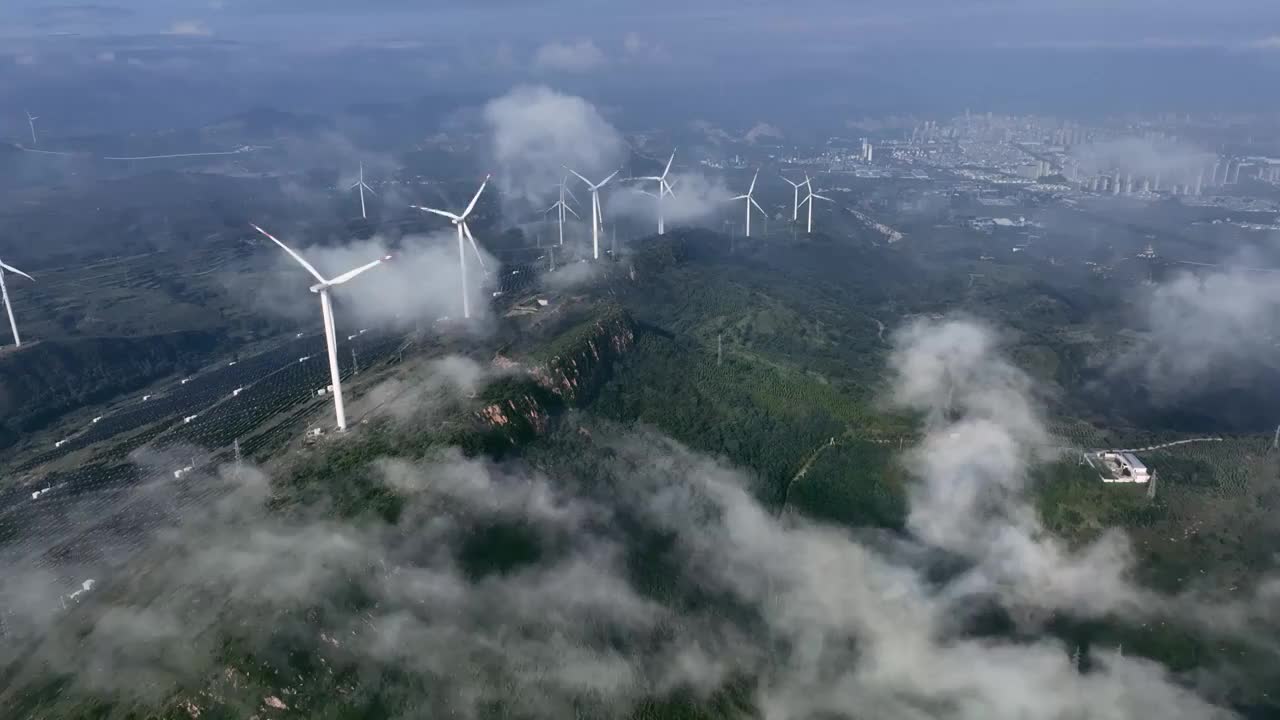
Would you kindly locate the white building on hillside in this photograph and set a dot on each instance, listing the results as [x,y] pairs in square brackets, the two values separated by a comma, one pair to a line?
[1122,467]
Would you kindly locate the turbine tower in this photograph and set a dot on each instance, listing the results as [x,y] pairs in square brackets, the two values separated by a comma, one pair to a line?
[4,291]
[795,203]
[752,201]
[326,308]
[597,212]
[460,221]
[664,188]
[809,199]
[31,122]
[563,206]
[360,183]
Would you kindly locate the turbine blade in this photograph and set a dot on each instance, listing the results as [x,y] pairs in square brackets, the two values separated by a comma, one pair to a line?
[788,180]
[741,197]
[352,273]
[301,261]
[554,205]
[354,185]
[575,174]
[569,192]
[571,212]
[646,192]
[475,248]
[15,270]
[441,213]
[669,161]
[606,180]
[476,199]
[670,187]
[366,187]
[753,183]
[762,212]
[822,197]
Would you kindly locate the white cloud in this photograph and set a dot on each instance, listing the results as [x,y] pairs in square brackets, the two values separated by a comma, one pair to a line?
[697,197]
[535,132]
[1204,328]
[636,47]
[1268,43]
[762,130]
[575,57]
[1142,157]
[194,28]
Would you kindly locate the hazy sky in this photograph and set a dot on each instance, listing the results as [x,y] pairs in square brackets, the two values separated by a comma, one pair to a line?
[831,24]
[1090,55]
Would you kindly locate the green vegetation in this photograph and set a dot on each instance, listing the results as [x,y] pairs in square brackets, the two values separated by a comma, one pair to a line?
[44,380]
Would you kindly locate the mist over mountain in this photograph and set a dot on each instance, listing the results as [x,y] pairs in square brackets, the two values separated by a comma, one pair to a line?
[916,361]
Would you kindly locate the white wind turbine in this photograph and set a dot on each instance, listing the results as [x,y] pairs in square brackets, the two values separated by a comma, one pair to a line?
[563,206]
[4,291]
[752,201]
[460,221]
[326,307]
[360,183]
[597,212]
[31,122]
[664,188]
[795,202]
[809,199]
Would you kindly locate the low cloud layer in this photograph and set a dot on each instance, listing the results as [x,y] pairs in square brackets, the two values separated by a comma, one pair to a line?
[575,57]
[1141,157]
[697,198]
[421,281]
[536,132]
[651,569]
[1206,327]
[984,431]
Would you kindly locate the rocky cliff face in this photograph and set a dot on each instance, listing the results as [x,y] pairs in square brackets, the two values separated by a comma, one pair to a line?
[584,360]
[522,406]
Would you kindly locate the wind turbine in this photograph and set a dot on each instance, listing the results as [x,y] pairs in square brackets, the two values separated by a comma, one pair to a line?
[664,188]
[360,183]
[597,212]
[562,206]
[460,221]
[752,201]
[31,121]
[809,199]
[326,307]
[795,203]
[4,291]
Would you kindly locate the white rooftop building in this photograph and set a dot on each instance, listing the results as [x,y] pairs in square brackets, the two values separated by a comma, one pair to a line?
[1123,467]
